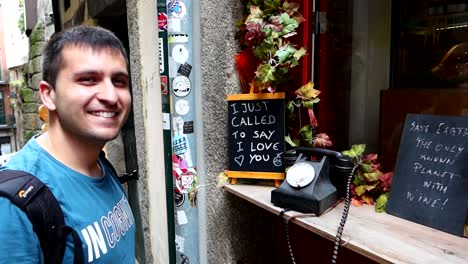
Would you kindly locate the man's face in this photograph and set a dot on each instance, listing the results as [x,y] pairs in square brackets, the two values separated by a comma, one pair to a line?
[91,94]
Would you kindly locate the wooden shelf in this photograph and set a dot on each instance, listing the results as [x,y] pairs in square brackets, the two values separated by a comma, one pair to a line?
[378,236]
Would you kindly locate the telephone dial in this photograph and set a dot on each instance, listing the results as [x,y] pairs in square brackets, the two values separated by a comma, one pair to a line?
[313,186]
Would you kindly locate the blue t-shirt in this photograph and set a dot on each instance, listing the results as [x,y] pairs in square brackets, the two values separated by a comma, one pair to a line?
[97,208]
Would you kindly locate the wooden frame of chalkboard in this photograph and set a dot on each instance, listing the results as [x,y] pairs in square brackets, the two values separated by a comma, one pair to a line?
[430,182]
[256,136]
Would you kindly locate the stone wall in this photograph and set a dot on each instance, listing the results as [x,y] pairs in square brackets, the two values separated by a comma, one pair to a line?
[237,231]
[29,95]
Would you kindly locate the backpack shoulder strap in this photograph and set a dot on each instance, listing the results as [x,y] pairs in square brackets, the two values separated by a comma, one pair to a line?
[33,197]
[123,178]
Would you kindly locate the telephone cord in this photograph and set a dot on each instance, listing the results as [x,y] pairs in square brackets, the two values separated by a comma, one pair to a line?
[344,217]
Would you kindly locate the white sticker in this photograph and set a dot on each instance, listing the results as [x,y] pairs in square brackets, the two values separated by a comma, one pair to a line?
[161,55]
[181,86]
[180,243]
[172,68]
[180,53]
[182,107]
[166,121]
[181,218]
[174,25]
[177,38]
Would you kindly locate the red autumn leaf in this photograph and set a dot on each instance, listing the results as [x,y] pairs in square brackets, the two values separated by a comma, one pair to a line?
[313,120]
[322,140]
[370,158]
[356,202]
[386,181]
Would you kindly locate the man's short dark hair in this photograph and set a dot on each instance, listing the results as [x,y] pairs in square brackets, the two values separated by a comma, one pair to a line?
[88,36]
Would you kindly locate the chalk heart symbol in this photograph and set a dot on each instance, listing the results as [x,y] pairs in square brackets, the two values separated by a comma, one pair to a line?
[239,160]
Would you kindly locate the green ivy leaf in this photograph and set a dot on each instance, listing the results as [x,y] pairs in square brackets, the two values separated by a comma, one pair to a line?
[366,168]
[271,6]
[291,142]
[289,24]
[263,51]
[306,133]
[265,73]
[372,176]
[360,190]
[299,53]
[381,203]
[255,16]
[290,6]
[359,149]
[350,153]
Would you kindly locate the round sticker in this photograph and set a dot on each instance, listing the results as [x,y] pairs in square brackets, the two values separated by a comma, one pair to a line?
[182,107]
[179,197]
[180,53]
[181,86]
[184,182]
[178,9]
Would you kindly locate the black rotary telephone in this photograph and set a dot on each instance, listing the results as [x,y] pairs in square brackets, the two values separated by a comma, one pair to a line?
[313,186]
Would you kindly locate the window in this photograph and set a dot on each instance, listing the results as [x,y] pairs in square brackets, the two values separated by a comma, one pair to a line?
[5,145]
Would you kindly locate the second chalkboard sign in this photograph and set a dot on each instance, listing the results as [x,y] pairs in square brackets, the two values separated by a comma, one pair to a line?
[430,183]
[256,136]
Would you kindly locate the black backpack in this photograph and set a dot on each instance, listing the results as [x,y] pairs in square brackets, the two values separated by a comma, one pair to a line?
[33,197]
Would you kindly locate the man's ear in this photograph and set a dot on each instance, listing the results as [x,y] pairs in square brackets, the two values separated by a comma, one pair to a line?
[47,93]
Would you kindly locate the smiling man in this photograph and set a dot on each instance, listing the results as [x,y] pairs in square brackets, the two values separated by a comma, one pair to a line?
[85,88]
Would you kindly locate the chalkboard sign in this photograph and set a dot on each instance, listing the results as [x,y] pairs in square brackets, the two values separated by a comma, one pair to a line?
[430,182]
[256,136]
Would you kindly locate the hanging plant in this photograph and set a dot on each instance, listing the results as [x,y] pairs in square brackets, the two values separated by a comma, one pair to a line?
[265,33]
[268,54]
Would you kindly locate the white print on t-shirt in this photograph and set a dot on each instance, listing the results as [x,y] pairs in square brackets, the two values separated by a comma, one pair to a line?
[115,225]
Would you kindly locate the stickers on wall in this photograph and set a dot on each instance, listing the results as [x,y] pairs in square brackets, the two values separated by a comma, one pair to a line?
[172,68]
[184,259]
[179,162]
[178,38]
[185,69]
[179,144]
[180,243]
[179,198]
[185,180]
[180,53]
[176,8]
[174,25]
[162,21]
[188,127]
[161,56]
[182,107]
[166,118]
[181,218]
[181,86]
[164,89]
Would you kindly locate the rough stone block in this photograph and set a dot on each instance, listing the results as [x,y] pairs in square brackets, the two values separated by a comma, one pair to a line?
[37,33]
[36,49]
[29,108]
[31,122]
[35,80]
[34,65]
[27,95]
